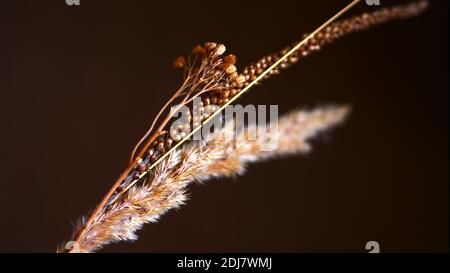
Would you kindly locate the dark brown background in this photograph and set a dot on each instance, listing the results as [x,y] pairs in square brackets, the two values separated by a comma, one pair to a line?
[83,83]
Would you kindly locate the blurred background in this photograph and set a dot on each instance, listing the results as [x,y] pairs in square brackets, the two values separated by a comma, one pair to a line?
[80,85]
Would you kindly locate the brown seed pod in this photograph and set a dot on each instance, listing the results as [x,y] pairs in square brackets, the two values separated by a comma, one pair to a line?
[209,46]
[225,94]
[179,62]
[198,50]
[142,168]
[153,158]
[230,59]
[230,69]
[160,146]
[220,49]
[169,142]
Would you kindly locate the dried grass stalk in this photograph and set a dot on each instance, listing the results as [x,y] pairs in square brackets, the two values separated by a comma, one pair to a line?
[212,77]
[217,156]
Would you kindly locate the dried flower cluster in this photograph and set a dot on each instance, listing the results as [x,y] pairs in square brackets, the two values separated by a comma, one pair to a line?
[209,76]
[151,184]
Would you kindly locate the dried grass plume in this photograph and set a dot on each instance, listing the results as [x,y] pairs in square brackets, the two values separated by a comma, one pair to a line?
[199,161]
